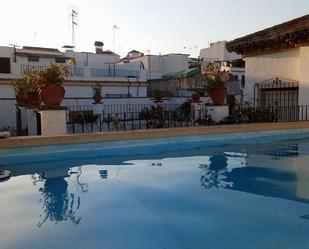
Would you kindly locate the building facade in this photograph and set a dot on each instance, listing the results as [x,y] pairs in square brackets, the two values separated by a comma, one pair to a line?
[217,52]
[119,81]
[277,62]
[157,66]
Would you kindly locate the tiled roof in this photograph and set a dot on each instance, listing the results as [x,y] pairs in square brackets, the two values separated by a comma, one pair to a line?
[283,36]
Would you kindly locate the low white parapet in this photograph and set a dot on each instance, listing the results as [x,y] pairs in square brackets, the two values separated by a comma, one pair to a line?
[32,121]
[218,113]
[198,110]
[53,122]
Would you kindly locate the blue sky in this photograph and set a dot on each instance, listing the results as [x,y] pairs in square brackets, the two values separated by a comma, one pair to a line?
[162,26]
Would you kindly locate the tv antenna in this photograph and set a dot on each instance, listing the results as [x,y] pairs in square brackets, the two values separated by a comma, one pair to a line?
[115,27]
[14,47]
[74,15]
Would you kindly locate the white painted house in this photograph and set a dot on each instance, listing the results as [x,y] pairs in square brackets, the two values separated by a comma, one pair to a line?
[217,52]
[277,63]
[218,55]
[156,66]
[119,81]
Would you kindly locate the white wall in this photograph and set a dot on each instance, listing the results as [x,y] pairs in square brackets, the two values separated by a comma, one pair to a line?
[91,59]
[218,52]
[84,93]
[304,76]
[173,63]
[285,64]
[8,108]
[158,65]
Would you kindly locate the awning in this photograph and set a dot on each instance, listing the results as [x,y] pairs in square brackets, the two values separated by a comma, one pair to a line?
[182,74]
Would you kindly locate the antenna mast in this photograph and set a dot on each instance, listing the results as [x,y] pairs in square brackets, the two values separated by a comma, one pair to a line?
[74,24]
[115,27]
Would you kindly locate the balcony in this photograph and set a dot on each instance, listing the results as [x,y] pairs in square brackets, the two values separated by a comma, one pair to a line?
[102,72]
[77,72]
[74,71]
[25,68]
[89,72]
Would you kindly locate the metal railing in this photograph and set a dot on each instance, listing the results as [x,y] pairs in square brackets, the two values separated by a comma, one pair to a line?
[111,72]
[83,119]
[74,71]
[77,72]
[84,71]
[99,72]
[25,68]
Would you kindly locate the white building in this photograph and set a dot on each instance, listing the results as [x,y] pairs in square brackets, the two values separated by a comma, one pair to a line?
[217,52]
[156,66]
[119,80]
[218,55]
[277,62]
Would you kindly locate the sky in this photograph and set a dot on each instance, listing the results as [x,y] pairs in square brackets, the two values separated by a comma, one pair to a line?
[160,26]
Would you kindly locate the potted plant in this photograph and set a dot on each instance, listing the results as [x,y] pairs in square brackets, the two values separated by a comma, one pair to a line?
[51,79]
[195,98]
[27,89]
[20,87]
[216,84]
[216,91]
[97,93]
[158,96]
[32,79]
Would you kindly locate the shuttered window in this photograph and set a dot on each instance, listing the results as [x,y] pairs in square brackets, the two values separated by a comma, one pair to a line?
[5,66]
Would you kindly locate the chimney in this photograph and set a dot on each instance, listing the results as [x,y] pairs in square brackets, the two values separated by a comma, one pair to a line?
[98,47]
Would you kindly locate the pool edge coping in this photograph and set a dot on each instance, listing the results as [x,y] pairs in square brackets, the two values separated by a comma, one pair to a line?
[31,141]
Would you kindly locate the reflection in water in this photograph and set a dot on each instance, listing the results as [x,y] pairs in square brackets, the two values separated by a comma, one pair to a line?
[103,174]
[59,204]
[305,217]
[279,181]
[214,176]
[290,150]
[156,164]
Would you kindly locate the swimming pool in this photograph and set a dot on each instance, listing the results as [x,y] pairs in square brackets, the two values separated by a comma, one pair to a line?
[214,191]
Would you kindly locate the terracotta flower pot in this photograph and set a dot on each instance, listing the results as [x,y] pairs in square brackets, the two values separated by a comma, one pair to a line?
[52,96]
[33,100]
[97,98]
[21,100]
[196,97]
[217,95]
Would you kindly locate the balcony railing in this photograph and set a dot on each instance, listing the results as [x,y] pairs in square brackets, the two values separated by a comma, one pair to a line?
[99,72]
[90,72]
[77,72]
[25,68]
[102,72]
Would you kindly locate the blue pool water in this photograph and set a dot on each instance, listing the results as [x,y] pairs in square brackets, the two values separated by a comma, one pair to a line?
[214,191]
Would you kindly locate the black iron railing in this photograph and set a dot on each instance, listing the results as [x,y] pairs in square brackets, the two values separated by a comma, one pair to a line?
[84,119]
[131,117]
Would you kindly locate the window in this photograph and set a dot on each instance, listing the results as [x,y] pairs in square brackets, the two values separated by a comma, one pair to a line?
[33,59]
[60,60]
[5,65]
